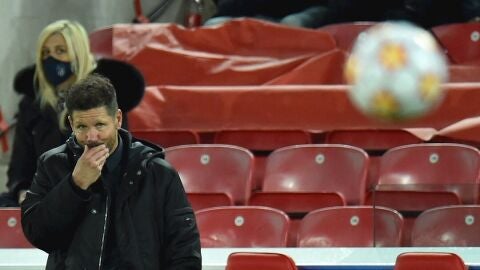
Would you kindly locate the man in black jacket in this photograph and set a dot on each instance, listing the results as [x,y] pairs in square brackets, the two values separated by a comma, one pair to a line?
[105,201]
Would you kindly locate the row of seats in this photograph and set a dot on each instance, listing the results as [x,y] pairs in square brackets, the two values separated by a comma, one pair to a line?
[458,40]
[340,226]
[404,261]
[302,178]
[268,140]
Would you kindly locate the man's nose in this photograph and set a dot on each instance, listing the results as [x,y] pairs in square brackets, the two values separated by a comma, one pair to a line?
[92,134]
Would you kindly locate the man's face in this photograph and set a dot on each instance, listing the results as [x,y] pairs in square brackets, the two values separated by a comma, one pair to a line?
[95,127]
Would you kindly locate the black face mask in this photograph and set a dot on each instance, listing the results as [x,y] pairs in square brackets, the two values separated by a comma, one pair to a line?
[56,71]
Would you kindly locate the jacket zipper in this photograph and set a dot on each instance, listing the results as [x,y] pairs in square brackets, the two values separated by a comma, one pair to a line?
[103,234]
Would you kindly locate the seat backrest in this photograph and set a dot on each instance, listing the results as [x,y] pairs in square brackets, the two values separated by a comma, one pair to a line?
[260,261]
[460,41]
[457,225]
[168,138]
[372,139]
[11,232]
[318,168]
[351,226]
[429,261]
[345,34]
[262,140]
[242,226]
[214,168]
[431,165]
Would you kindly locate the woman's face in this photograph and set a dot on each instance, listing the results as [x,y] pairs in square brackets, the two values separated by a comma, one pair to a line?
[55,46]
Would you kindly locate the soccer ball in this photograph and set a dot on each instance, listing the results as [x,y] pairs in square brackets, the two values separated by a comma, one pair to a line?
[396,71]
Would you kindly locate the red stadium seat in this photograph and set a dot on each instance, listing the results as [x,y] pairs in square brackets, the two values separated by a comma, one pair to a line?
[262,140]
[460,41]
[429,261]
[259,261]
[351,226]
[441,170]
[219,170]
[319,168]
[464,73]
[302,178]
[242,226]
[451,226]
[417,177]
[372,139]
[167,138]
[345,34]
[11,233]
[261,143]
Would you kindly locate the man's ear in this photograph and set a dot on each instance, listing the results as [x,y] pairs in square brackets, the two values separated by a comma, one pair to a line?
[118,118]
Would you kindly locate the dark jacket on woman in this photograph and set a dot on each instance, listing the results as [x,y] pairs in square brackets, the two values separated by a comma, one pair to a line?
[153,224]
[37,129]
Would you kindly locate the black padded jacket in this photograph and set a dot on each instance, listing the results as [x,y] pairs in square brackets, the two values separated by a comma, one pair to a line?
[155,226]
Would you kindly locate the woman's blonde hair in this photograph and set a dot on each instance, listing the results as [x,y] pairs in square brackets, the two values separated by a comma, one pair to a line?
[82,60]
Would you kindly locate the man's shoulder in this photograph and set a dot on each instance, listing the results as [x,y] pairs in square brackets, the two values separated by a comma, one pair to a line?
[55,154]
[149,157]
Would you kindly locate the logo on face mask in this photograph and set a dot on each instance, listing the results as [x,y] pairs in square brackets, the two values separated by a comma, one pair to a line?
[56,71]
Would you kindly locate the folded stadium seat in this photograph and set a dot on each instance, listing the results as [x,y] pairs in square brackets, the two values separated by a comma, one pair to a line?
[261,143]
[417,177]
[351,226]
[242,226]
[345,34]
[374,141]
[429,261]
[452,226]
[11,233]
[259,261]
[302,178]
[213,174]
[167,138]
[460,41]
[464,73]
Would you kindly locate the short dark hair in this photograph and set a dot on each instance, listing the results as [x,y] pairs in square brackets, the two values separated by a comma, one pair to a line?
[92,92]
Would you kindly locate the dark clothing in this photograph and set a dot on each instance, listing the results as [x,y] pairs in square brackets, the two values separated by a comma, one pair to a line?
[154,228]
[268,8]
[37,129]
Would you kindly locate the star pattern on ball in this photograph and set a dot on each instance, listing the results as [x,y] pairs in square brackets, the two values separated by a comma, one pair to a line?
[429,87]
[393,56]
[385,105]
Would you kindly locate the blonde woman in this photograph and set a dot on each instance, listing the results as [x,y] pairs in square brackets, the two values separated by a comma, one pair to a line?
[62,58]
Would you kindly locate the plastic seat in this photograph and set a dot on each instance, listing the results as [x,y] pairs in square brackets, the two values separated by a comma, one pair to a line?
[427,176]
[212,171]
[429,261]
[337,171]
[168,138]
[351,226]
[242,226]
[345,34]
[457,225]
[261,143]
[460,41]
[11,233]
[372,139]
[414,178]
[259,261]
[262,140]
